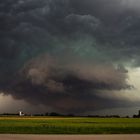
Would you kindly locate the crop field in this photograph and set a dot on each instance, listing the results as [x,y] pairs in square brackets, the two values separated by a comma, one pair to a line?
[64,125]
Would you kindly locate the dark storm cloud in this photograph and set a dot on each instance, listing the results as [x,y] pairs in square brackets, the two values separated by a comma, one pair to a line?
[67,85]
[63,53]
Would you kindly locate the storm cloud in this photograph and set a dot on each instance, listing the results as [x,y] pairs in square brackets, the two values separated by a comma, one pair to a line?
[65,53]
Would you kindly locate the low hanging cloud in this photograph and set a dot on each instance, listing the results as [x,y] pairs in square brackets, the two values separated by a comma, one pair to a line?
[65,53]
[67,86]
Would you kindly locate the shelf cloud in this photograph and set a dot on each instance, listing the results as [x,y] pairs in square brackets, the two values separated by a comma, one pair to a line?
[65,53]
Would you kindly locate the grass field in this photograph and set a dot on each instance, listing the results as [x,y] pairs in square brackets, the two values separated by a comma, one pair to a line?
[75,125]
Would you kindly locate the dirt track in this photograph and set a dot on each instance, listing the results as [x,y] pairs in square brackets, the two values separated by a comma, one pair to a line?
[69,137]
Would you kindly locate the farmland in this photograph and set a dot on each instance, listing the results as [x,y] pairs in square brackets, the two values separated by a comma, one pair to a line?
[65,125]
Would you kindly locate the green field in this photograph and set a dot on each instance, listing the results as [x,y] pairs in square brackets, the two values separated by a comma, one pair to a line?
[75,125]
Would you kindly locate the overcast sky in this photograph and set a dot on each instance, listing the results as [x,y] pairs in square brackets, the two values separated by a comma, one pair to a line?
[69,56]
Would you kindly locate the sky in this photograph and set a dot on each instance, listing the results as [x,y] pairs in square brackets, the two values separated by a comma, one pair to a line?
[70,56]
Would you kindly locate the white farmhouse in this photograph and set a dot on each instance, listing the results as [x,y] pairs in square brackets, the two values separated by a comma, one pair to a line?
[21,113]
